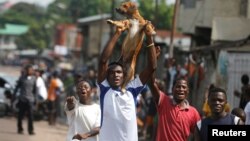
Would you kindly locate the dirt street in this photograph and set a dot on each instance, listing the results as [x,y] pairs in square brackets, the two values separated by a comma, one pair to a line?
[44,132]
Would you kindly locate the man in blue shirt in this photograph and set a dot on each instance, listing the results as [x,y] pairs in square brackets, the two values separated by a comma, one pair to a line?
[118,108]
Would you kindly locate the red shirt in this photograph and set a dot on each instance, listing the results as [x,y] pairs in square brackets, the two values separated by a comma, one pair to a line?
[174,123]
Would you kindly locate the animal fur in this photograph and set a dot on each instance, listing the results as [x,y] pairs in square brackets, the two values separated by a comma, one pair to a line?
[136,26]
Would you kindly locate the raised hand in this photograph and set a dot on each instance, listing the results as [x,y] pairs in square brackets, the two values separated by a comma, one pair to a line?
[149,29]
[70,102]
[80,136]
[158,51]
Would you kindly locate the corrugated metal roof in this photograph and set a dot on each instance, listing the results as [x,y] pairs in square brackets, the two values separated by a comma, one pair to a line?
[13,29]
[93,18]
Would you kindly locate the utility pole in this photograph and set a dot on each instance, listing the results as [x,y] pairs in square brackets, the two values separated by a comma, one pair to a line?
[156,11]
[100,29]
[171,46]
[112,17]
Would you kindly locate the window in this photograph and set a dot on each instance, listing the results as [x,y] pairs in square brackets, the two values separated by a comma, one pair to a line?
[188,3]
[243,8]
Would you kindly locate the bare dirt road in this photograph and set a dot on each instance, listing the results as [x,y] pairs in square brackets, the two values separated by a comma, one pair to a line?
[44,132]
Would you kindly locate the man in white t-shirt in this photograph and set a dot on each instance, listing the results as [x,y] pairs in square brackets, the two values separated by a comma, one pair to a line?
[41,89]
[118,107]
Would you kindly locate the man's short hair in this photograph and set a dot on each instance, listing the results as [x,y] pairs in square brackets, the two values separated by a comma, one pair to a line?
[216,90]
[180,79]
[85,80]
[115,63]
[28,66]
[112,64]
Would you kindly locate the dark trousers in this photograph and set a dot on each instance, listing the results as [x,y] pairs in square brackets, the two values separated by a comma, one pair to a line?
[25,108]
[52,112]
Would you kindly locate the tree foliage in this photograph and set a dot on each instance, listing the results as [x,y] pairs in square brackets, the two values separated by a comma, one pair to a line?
[20,14]
[160,14]
[42,22]
[75,9]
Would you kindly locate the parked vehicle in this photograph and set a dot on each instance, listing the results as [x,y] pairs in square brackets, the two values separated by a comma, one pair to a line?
[7,85]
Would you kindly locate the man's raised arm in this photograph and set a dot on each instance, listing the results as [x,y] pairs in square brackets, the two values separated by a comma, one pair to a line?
[106,54]
[147,73]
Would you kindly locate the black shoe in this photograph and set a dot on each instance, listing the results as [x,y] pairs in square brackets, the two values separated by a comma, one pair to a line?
[20,132]
[31,133]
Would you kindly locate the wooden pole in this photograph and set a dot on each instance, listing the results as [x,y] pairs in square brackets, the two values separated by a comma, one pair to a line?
[171,46]
[112,17]
[156,11]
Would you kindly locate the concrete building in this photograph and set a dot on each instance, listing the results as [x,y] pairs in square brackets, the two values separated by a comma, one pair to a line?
[96,33]
[220,33]
[180,41]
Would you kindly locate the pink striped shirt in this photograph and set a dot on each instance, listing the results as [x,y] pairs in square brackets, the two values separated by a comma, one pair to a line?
[175,123]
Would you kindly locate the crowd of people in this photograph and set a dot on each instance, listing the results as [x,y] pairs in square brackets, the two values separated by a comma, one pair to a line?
[98,109]
[39,93]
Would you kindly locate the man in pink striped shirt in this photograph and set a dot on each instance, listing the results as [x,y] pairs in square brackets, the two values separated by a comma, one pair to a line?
[176,118]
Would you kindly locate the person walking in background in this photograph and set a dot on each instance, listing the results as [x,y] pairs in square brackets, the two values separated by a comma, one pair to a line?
[217,100]
[53,95]
[41,93]
[119,108]
[242,94]
[60,93]
[247,107]
[41,89]
[26,99]
[83,115]
[150,111]
[239,113]
[91,77]
[171,75]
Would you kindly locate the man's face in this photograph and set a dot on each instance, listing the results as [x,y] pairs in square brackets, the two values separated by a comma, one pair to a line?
[180,90]
[217,102]
[115,76]
[30,71]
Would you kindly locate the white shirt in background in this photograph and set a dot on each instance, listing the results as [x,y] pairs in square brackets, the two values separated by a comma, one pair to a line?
[41,88]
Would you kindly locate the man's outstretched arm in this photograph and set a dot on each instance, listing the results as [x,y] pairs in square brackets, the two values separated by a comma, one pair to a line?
[153,84]
[147,73]
[106,54]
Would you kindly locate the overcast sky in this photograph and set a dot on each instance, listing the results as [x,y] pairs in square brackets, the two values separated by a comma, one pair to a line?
[46,2]
[39,2]
[170,1]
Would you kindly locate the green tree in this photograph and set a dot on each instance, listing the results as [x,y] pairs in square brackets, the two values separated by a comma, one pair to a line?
[160,14]
[84,8]
[71,10]
[20,14]
[58,12]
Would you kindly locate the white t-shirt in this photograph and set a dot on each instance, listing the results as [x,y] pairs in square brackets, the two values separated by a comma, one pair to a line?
[82,119]
[41,88]
[119,111]
[247,112]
